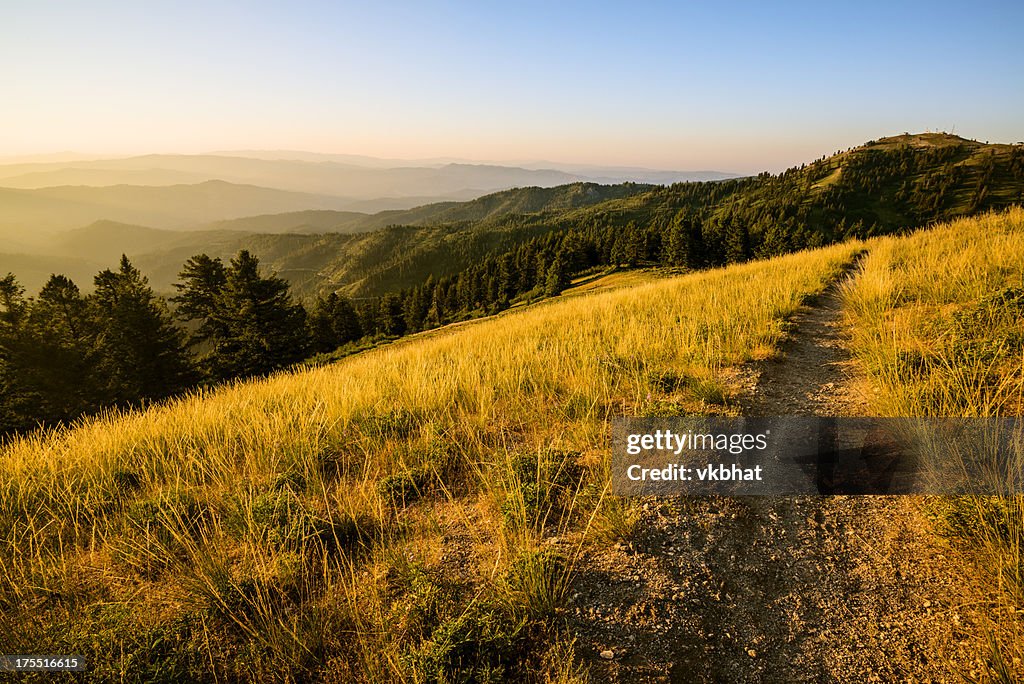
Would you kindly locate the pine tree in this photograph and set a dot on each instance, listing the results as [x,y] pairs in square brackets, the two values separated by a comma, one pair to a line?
[346,321]
[202,283]
[60,358]
[249,320]
[463,295]
[333,322]
[527,267]
[18,401]
[412,309]
[679,248]
[392,322]
[62,309]
[541,269]
[635,246]
[367,312]
[12,303]
[558,276]
[618,255]
[737,240]
[321,329]
[505,278]
[432,318]
[142,352]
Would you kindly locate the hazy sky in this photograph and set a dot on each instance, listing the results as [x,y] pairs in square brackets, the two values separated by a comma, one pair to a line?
[733,86]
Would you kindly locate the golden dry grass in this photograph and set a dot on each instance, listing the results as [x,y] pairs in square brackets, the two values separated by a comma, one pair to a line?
[936,318]
[380,519]
[938,324]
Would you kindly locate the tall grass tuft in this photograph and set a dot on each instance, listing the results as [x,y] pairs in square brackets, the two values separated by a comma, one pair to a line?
[938,321]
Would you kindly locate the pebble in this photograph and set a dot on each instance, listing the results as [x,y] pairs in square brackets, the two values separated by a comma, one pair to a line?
[752,653]
[608,654]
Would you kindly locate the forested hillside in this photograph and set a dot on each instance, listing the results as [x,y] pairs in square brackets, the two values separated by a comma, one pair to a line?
[887,186]
[882,187]
[123,345]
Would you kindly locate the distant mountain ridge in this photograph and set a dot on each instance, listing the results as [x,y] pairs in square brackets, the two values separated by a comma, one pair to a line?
[82,251]
[526,200]
[170,206]
[880,187]
[348,176]
[186,191]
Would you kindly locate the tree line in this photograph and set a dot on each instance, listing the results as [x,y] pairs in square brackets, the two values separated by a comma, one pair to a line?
[874,190]
[64,354]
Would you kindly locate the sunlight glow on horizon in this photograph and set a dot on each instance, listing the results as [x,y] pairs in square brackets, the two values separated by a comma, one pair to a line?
[672,87]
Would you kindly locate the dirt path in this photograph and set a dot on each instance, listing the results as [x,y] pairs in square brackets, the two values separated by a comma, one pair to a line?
[782,589]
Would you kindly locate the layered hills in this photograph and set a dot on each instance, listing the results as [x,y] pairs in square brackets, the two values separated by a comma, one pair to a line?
[883,186]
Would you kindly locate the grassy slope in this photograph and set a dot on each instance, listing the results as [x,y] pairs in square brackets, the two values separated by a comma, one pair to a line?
[383,518]
[938,320]
[944,299]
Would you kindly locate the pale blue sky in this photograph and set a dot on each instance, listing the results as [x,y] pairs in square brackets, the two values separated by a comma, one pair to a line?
[734,86]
